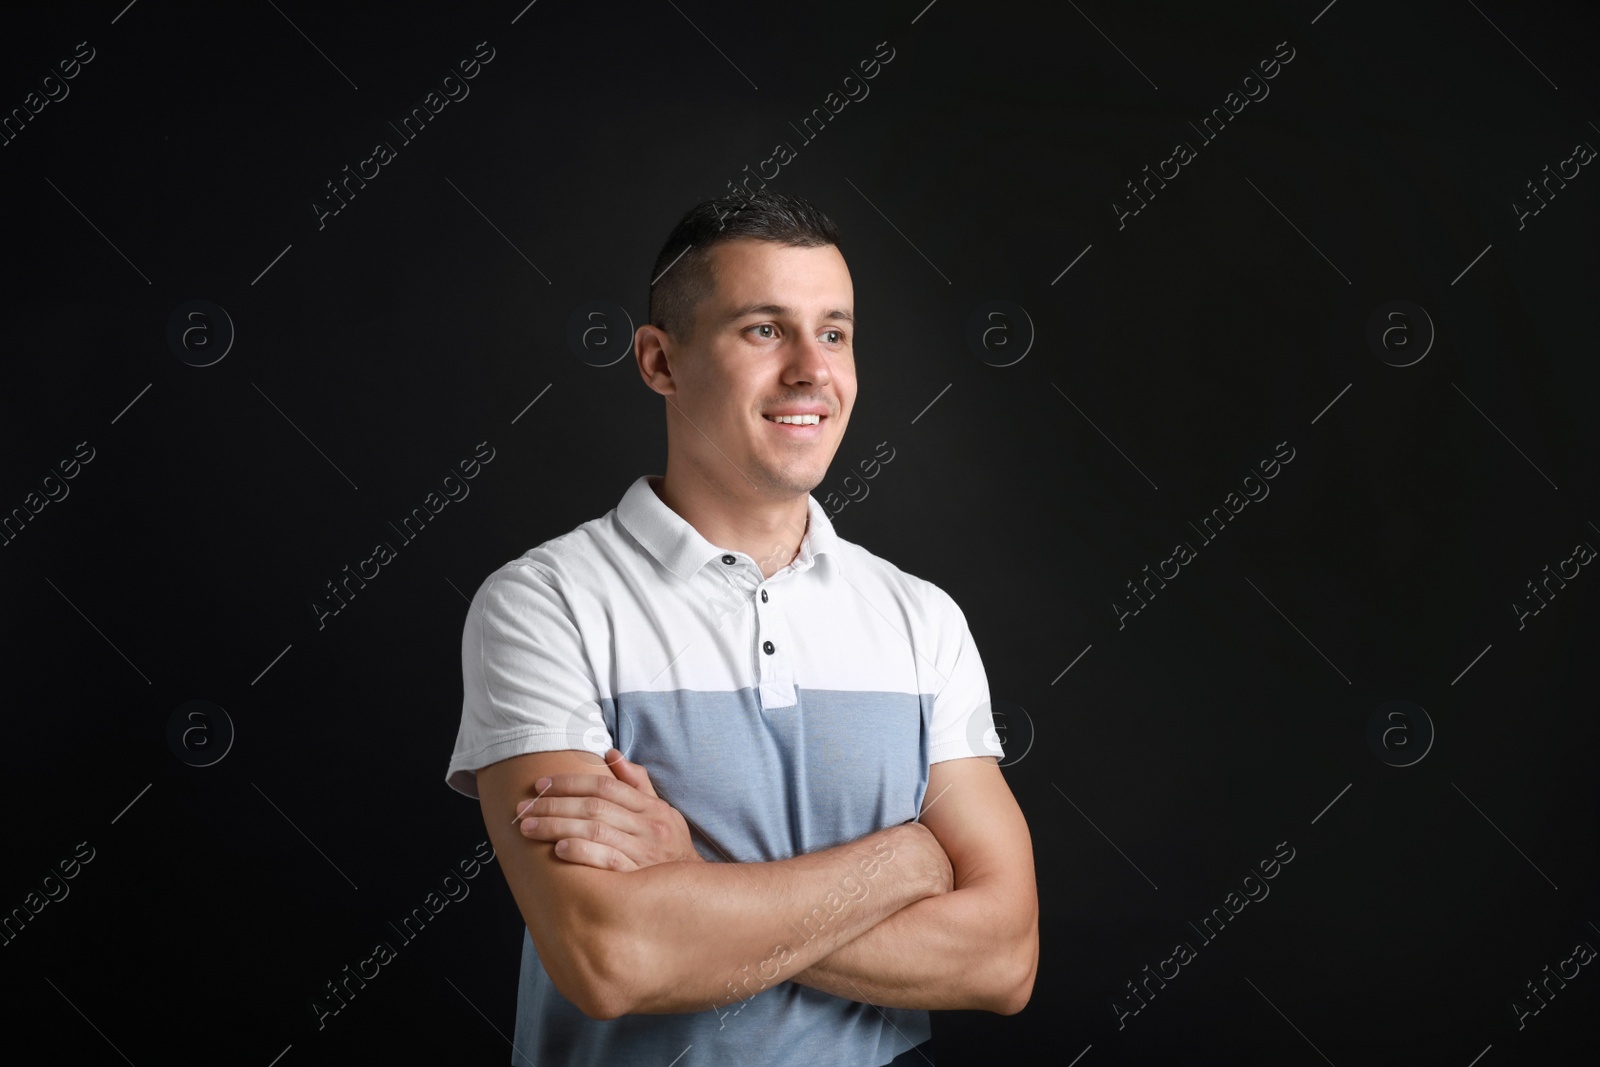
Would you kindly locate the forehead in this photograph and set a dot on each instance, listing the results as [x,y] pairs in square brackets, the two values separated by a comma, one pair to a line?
[748,271]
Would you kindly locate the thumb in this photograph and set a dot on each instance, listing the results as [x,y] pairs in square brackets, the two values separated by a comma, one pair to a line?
[629,772]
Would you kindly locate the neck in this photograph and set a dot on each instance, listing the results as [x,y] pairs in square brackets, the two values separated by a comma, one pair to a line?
[768,531]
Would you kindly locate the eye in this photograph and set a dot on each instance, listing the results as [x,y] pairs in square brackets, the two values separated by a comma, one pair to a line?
[762,326]
[838,336]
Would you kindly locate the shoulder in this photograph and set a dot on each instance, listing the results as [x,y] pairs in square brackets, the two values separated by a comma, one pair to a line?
[919,598]
[564,567]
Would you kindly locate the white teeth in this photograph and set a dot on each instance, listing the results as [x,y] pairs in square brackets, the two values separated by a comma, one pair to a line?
[796,420]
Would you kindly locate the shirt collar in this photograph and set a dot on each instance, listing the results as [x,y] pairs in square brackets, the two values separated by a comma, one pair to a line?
[678,546]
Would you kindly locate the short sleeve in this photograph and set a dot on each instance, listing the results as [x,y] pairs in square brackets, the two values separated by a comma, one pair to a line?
[962,722]
[526,686]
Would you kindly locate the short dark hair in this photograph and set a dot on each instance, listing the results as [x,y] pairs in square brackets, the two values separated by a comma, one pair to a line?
[682,276]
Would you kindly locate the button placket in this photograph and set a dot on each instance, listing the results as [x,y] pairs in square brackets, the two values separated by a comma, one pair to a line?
[775,646]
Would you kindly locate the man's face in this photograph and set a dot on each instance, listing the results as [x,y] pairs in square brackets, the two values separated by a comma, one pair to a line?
[775,336]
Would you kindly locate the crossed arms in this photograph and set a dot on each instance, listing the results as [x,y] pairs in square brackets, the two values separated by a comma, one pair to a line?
[940,913]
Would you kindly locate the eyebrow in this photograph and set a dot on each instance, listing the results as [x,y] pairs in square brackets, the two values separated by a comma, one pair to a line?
[841,314]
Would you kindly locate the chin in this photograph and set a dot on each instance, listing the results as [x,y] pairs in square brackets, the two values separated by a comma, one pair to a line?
[795,482]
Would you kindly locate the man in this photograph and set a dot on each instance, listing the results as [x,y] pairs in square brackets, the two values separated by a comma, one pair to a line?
[734,766]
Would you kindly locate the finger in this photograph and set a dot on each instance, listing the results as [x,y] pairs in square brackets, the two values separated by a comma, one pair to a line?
[635,847]
[593,854]
[547,828]
[595,809]
[630,772]
[615,790]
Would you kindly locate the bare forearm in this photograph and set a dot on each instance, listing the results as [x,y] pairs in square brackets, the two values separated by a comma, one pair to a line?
[689,936]
[959,950]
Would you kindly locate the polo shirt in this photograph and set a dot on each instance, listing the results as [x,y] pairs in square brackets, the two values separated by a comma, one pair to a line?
[780,715]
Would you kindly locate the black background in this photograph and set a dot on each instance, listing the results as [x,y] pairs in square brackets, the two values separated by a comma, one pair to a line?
[1228,316]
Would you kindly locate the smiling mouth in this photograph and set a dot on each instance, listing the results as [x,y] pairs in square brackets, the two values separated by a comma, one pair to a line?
[798,425]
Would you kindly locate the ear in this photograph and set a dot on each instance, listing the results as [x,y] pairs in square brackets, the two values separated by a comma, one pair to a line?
[653,351]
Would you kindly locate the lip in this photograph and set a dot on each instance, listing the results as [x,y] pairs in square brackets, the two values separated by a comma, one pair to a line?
[801,432]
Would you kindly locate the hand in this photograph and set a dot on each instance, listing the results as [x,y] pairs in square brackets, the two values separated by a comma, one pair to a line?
[613,824]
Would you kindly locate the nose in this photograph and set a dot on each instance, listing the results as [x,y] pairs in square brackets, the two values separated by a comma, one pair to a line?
[810,363]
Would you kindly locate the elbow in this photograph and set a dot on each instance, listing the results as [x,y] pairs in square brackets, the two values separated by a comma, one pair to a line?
[598,999]
[621,965]
[1018,998]
[603,1005]
[575,980]
[611,993]
[596,981]
[608,987]
[1020,991]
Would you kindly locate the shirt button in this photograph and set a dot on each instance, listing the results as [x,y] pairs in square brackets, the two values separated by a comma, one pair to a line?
[729,560]
[766,646]
[763,596]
